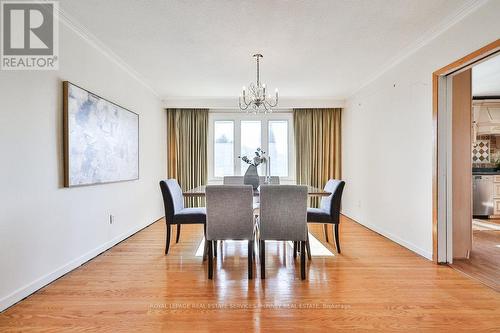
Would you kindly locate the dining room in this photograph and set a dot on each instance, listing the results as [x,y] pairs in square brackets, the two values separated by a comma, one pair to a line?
[250,166]
[270,164]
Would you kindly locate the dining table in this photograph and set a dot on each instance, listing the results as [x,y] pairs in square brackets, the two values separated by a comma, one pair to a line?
[200,191]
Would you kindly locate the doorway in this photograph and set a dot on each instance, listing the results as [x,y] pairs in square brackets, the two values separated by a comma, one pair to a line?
[463,144]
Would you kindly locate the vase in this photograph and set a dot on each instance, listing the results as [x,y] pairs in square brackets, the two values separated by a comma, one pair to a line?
[251,177]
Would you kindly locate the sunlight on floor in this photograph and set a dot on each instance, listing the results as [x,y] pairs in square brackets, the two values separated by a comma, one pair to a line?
[483,225]
[317,248]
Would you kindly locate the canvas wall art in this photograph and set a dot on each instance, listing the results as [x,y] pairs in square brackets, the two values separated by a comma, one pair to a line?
[101,139]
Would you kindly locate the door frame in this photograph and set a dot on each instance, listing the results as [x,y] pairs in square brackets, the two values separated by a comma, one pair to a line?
[440,105]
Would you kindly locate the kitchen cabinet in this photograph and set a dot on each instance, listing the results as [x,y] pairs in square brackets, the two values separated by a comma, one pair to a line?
[496,195]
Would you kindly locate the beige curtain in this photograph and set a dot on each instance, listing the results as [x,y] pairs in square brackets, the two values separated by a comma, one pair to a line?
[317,146]
[187,149]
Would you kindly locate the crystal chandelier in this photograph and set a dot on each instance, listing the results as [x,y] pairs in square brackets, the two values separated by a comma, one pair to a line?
[259,99]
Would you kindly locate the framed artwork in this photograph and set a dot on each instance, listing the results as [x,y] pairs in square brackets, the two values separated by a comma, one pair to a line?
[101,139]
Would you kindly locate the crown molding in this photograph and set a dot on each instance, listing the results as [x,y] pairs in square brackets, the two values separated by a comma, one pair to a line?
[91,39]
[231,103]
[425,39]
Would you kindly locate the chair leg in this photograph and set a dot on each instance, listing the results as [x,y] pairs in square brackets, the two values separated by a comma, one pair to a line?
[215,248]
[308,248]
[205,250]
[262,246]
[250,259]
[178,233]
[294,250]
[210,261]
[325,229]
[167,243]
[303,260]
[337,240]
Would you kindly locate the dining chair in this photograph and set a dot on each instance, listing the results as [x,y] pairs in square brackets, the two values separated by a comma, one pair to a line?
[175,212]
[239,180]
[274,180]
[229,217]
[329,210]
[232,180]
[283,213]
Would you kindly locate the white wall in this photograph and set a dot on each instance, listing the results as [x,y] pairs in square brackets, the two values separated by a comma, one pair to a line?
[45,229]
[387,136]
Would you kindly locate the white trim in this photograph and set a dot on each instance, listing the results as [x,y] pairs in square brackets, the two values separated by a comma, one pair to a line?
[448,203]
[410,246]
[92,40]
[426,38]
[444,169]
[237,117]
[25,291]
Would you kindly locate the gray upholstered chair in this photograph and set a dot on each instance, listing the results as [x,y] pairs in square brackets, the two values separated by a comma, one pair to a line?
[238,180]
[232,180]
[329,210]
[175,213]
[274,180]
[229,216]
[283,212]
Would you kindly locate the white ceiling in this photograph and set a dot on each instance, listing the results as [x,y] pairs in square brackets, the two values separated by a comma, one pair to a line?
[486,77]
[202,48]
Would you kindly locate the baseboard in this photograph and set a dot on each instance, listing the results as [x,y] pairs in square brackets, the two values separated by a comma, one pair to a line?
[34,286]
[394,238]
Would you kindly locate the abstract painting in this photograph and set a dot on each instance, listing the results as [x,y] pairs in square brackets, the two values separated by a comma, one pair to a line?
[101,139]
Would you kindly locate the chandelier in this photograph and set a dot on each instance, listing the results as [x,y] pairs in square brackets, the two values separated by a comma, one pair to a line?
[259,99]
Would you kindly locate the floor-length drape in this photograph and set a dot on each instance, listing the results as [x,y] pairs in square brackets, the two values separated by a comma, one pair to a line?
[187,149]
[317,146]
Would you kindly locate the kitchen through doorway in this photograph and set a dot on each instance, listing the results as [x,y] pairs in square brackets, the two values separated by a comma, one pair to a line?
[484,257]
[467,216]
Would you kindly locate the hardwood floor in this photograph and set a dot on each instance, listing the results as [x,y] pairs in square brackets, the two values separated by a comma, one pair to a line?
[375,285]
[484,261]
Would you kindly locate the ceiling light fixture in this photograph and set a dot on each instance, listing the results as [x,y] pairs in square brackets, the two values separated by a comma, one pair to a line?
[260,100]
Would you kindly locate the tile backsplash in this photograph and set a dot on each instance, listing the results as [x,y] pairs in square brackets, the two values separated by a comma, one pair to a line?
[485,152]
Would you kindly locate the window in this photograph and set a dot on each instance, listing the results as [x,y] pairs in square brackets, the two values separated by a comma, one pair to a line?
[238,134]
[223,148]
[250,141]
[278,147]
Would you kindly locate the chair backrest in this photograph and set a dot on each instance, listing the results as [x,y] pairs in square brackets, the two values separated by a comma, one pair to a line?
[275,180]
[331,203]
[283,212]
[239,180]
[173,200]
[233,180]
[229,212]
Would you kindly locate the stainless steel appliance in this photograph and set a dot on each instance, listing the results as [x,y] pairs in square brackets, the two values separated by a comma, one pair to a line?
[482,187]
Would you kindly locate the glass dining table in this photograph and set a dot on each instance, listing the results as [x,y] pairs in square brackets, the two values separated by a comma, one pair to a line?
[200,192]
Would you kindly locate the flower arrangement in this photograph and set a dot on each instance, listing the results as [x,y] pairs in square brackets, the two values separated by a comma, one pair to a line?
[256,160]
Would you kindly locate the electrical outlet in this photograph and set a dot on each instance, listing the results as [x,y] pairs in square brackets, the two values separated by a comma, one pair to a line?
[111,219]
[359,203]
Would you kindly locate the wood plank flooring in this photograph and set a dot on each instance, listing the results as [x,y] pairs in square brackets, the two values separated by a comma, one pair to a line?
[375,285]
[484,261]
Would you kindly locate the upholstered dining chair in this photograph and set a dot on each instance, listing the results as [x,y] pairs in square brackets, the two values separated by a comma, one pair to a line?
[273,180]
[175,212]
[329,210]
[229,217]
[283,213]
[239,180]
[232,180]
